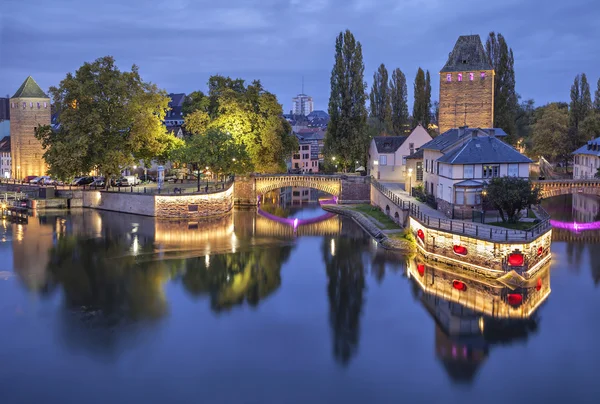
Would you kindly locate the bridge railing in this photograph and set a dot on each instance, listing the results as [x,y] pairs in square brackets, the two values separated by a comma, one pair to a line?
[459,227]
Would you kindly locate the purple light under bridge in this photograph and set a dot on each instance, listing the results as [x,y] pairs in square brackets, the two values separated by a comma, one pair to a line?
[295,222]
[574,226]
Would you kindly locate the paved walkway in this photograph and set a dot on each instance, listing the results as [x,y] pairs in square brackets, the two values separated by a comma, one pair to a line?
[398,189]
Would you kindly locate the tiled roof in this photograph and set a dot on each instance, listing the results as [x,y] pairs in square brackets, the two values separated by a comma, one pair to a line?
[592,148]
[453,136]
[176,99]
[29,89]
[5,144]
[468,54]
[484,149]
[388,144]
[418,155]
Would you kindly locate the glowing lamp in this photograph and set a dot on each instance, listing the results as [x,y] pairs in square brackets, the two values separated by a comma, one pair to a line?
[458,285]
[540,251]
[515,299]
[538,285]
[460,250]
[516,260]
[295,223]
[421,269]
[421,235]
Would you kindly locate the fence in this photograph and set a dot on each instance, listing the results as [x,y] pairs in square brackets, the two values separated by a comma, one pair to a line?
[390,195]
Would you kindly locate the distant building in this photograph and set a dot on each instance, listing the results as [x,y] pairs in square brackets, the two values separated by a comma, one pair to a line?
[306,159]
[4,117]
[174,117]
[29,107]
[466,87]
[587,160]
[459,163]
[302,104]
[388,154]
[5,163]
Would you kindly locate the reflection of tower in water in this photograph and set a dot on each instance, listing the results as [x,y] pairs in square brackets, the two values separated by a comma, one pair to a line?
[473,313]
[31,244]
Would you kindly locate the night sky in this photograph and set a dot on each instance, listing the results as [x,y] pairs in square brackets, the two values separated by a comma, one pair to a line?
[178,44]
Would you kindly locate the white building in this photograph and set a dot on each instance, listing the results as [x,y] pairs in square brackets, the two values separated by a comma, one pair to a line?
[587,160]
[387,154]
[459,162]
[302,104]
[5,161]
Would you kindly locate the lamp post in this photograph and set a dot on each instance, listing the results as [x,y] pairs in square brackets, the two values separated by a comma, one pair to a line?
[410,182]
[207,179]
[483,195]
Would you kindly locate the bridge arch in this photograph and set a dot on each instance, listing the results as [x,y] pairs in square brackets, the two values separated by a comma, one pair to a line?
[550,188]
[330,184]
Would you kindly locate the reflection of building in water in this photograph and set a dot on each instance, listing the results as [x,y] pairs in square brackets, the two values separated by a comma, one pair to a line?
[472,313]
[304,195]
[585,208]
[31,243]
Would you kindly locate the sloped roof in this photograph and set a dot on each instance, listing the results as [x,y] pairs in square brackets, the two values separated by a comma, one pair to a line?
[468,54]
[484,149]
[453,136]
[388,144]
[5,144]
[30,89]
[591,148]
[176,99]
[418,155]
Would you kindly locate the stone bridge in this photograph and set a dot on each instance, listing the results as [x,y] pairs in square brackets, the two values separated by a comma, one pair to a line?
[552,188]
[346,188]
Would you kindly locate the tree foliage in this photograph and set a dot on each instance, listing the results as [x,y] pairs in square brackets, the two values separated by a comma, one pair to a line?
[510,195]
[399,102]
[581,101]
[347,139]
[505,96]
[108,120]
[550,134]
[422,101]
[381,107]
[249,113]
[597,97]
[590,127]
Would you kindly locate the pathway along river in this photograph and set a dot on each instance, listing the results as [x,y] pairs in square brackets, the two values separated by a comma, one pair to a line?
[99,307]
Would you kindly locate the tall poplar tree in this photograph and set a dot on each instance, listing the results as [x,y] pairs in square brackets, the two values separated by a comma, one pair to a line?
[505,96]
[399,101]
[581,101]
[381,107]
[347,140]
[422,102]
[597,97]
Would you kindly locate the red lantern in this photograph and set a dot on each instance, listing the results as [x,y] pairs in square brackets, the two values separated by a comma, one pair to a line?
[538,286]
[515,299]
[458,285]
[540,251]
[421,235]
[460,250]
[516,260]
[421,269]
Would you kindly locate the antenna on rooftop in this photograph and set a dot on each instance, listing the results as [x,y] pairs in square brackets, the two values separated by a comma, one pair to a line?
[302,84]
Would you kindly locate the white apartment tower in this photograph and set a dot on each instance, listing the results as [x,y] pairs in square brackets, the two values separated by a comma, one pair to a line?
[303,104]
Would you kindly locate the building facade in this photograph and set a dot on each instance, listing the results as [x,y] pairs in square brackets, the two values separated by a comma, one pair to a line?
[306,159]
[466,87]
[302,104]
[587,160]
[5,161]
[388,154]
[29,107]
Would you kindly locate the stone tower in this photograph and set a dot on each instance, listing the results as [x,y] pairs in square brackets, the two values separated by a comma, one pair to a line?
[29,107]
[467,87]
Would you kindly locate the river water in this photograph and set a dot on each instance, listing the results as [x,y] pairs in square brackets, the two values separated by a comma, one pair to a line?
[100,307]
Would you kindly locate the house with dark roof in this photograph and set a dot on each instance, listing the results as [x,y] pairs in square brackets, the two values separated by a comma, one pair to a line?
[587,160]
[174,117]
[459,162]
[388,154]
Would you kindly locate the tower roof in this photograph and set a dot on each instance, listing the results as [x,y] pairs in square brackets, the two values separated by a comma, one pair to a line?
[30,89]
[468,54]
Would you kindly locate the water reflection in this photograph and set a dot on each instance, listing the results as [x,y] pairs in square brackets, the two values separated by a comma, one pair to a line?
[472,313]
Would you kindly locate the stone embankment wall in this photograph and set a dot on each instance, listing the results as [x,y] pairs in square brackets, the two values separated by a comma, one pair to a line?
[389,207]
[139,204]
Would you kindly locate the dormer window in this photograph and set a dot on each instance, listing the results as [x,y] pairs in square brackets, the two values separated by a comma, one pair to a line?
[471,76]
[448,77]
[483,75]
[459,76]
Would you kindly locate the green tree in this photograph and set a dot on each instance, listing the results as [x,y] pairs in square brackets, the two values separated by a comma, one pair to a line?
[347,139]
[581,101]
[505,96]
[399,102]
[597,97]
[550,134]
[510,195]
[422,101]
[590,127]
[108,120]
[380,97]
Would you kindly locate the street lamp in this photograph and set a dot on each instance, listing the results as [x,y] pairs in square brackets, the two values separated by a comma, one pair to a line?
[483,195]
[410,182]
[206,179]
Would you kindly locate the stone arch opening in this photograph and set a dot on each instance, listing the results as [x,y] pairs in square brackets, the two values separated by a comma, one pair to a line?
[387,210]
[397,217]
[331,186]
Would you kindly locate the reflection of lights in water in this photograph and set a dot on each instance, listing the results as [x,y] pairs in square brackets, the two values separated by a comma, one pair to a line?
[207,260]
[333,247]
[574,226]
[19,233]
[135,245]
[135,227]
[481,324]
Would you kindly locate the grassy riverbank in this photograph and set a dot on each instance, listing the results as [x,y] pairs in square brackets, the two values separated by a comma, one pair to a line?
[383,221]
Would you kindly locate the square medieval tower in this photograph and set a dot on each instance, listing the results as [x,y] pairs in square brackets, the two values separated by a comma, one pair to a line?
[467,87]
[30,107]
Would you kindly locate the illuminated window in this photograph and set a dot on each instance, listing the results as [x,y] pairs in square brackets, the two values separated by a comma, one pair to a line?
[382,160]
[471,76]
[38,105]
[459,76]
[12,104]
[24,105]
[448,77]
[31,105]
[483,75]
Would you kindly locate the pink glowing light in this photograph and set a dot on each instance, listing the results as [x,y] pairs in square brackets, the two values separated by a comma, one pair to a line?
[574,226]
[295,223]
